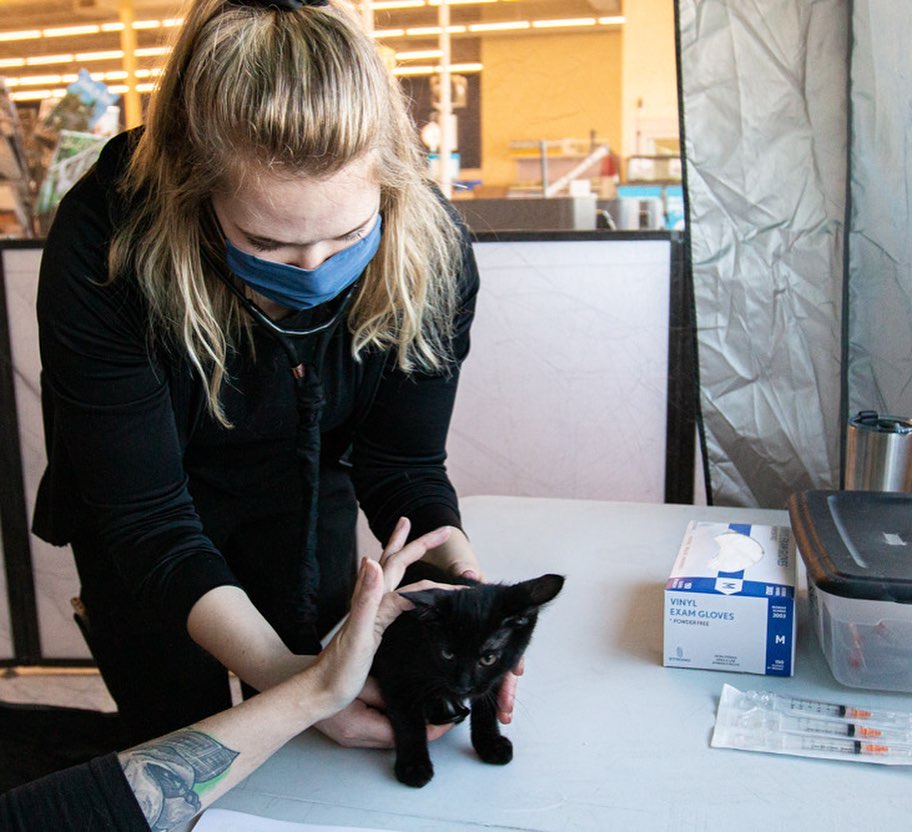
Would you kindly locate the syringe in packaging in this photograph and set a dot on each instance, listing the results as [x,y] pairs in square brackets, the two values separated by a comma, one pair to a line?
[755,721]
[827,710]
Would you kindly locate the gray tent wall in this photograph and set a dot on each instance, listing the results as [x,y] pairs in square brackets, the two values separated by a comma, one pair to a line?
[763,98]
[879,298]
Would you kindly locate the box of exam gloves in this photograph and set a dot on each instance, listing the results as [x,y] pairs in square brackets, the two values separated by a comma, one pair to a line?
[730,600]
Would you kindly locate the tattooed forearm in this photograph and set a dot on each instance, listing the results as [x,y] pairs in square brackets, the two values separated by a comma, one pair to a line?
[168,774]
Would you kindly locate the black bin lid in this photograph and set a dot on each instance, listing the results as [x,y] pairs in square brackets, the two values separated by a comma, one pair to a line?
[857,544]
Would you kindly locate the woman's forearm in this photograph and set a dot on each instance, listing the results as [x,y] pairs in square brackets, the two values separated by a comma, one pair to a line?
[225,623]
[455,555]
[176,776]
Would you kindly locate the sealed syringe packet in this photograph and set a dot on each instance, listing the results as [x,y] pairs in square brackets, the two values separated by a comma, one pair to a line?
[780,724]
[730,600]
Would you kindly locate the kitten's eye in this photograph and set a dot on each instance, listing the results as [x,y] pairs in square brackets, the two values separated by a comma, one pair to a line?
[488,659]
[447,654]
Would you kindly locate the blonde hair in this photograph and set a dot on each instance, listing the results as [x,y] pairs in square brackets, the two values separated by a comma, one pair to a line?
[252,89]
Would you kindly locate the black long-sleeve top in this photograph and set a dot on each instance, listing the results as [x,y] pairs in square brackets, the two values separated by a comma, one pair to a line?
[136,462]
[91,797]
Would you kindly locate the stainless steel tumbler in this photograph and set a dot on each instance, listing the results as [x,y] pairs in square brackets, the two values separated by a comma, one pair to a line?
[878,453]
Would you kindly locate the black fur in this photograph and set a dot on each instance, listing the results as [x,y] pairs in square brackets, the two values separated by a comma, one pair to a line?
[448,656]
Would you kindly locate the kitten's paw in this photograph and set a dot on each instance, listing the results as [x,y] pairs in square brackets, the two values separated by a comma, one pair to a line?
[495,750]
[414,774]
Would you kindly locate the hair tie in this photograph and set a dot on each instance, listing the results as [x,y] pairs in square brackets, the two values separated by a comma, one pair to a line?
[288,5]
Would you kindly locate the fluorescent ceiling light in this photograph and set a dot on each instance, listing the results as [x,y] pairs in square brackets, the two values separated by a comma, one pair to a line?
[68,78]
[419,54]
[37,60]
[109,55]
[418,69]
[122,89]
[420,31]
[507,25]
[36,95]
[29,80]
[26,34]
[112,26]
[66,31]
[554,24]
[152,51]
[383,5]
[426,69]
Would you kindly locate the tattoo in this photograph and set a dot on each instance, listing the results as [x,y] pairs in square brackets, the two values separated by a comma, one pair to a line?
[167,775]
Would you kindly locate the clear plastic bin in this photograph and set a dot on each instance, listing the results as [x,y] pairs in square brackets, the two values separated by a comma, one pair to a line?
[867,644]
[857,549]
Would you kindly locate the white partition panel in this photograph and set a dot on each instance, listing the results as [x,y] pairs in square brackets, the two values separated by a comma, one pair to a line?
[6,632]
[564,392]
[54,570]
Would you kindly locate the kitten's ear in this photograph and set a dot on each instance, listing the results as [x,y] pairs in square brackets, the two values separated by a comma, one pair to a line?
[425,601]
[526,598]
[544,589]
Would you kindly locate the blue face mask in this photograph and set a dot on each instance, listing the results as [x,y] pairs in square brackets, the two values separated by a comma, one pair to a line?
[296,288]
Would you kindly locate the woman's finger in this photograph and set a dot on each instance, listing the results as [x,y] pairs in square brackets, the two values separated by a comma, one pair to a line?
[366,600]
[397,539]
[395,563]
[506,696]
[371,695]
[424,583]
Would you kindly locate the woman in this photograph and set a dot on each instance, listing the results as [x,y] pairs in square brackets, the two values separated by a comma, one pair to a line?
[250,312]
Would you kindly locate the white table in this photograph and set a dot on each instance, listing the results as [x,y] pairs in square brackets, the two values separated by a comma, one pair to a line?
[605,737]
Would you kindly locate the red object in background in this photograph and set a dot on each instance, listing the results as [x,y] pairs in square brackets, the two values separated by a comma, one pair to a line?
[611,165]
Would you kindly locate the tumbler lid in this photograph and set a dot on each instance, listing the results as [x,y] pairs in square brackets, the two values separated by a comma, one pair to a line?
[872,420]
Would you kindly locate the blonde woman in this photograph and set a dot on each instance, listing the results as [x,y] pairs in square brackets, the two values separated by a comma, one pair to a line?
[252,313]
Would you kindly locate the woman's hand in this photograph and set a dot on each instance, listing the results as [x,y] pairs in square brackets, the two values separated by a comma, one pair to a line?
[347,658]
[343,665]
[362,724]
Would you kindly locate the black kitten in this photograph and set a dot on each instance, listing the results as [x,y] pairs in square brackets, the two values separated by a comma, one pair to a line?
[453,649]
